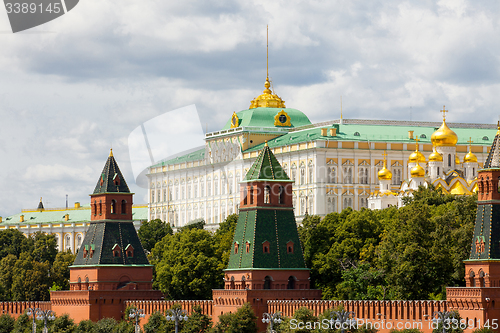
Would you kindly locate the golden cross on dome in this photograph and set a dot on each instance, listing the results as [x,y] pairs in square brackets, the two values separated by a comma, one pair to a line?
[385,154]
[416,143]
[470,141]
[444,113]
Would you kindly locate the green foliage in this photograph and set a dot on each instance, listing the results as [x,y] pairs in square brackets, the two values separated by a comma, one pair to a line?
[105,325]
[23,324]
[60,272]
[86,326]
[186,265]
[242,321]
[156,323]
[152,232]
[197,322]
[14,242]
[452,328]
[484,330]
[6,323]
[362,282]
[124,327]
[224,239]
[63,324]
[194,224]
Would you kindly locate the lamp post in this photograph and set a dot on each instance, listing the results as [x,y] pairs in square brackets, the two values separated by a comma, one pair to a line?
[271,318]
[136,314]
[343,317]
[176,315]
[444,318]
[45,315]
[32,312]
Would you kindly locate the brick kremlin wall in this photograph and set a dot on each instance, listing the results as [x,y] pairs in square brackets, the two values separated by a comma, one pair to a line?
[151,307]
[15,309]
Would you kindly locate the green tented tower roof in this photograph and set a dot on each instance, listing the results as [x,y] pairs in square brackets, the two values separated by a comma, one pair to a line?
[111,179]
[103,237]
[266,167]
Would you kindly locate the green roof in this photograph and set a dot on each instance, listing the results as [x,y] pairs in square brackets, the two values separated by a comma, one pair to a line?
[111,179]
[379,133]
[190,157]
[104,237]
[266,167]
[264,117]
[258,226]
[76,215]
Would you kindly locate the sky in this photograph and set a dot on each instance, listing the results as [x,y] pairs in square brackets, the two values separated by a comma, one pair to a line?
[76,86]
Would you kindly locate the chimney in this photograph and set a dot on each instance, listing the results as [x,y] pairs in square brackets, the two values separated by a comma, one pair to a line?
[324,132]
[333,131]
[66,217]
[410,135]
[21,218]
[77,205]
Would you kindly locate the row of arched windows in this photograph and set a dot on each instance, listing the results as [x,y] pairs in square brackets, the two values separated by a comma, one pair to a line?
[97,208]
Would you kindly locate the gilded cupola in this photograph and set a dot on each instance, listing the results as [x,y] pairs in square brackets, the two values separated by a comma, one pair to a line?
[470,157]
[384,173]
[416,156]
[417,171]
[444,136]
[435,156]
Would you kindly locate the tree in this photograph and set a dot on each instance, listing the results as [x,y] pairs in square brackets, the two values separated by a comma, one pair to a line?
[242,321]
[45,247]
[86,326]
[362,282]
[23,324]
[6,323]
[30,280]
[186,265]
[60,271]
[197,322]
[152,232]
[14,242]
[224,239]
[156,323]
[63,324]
[105,325]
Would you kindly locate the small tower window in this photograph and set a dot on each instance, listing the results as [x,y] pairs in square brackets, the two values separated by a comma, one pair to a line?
[117,252]
[267,191]
[251,195]
[282,195]
[265,247]
[245,196]
[356,133]
[113,206]
[248,246]
[129,251]
[423,136]
[289,247]
[116,180]
[95,208]
[100,207]
[124,207]
[236,247]
[267,282]
[449,160]
[485,138]
[291,283]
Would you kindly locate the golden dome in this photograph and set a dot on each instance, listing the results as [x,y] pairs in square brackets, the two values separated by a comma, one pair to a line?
[457,160]
[417,171]
[384,173]
[416,156]
[470,157]
[444,136]
[267,99]
[435,156]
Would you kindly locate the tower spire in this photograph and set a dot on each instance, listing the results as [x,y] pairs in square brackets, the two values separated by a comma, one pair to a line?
[267,53]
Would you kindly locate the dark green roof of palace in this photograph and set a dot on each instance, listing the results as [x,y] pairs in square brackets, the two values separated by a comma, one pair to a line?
[266,167]
[111,179]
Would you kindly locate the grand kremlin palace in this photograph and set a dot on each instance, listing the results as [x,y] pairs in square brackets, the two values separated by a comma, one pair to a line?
[334,164]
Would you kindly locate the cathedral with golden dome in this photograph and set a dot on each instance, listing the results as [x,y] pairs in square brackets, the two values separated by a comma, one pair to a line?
[442,169]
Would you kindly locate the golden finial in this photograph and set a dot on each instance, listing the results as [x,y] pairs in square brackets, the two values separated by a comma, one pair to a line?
[265,145]
[416,143]
[498,128]
[444,113]
[111,152]
[267,54]
[40,199]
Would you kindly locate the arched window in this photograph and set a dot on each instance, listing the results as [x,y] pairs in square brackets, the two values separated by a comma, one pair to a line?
[449,160]
[267,282]
[294,172]
[251,195]
[311,173]
[100,207]
[95,208]
[267,191]
[236,247]
[472,278]
[216,185]
[302,174]
[291,283]
[232,282]
[245,196]
[68,242]
[124,207]
[79,240]
[265,247]
[282,195]
[209,186]
[113,206]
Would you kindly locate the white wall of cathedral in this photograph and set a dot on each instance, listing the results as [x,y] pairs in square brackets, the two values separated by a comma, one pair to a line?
[448,157]
[470,171]
[321,186]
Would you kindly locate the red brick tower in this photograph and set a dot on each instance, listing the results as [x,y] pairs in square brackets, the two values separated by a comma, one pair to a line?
[480,300]
[111,266]
[266,260]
